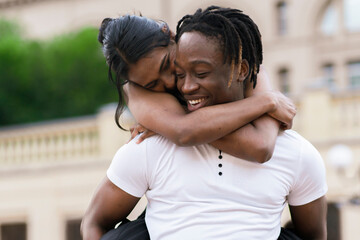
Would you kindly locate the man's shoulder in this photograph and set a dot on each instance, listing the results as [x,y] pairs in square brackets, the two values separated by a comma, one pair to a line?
[301,142]
[287,142]
[154,144]
[291,136]
[157,139]
[291,144]
[158,143]
[160,147]
[133,154]
[153,141]
[292,139]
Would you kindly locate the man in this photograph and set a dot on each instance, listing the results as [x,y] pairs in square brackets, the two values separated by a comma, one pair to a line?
[200,192]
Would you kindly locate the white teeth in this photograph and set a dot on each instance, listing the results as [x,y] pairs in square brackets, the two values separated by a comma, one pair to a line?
[196,101]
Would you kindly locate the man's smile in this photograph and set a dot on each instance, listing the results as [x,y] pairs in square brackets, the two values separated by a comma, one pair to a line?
[196,103]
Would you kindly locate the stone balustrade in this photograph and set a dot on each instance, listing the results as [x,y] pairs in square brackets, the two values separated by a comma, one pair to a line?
[346,115]
[327,118]
[49,142]
[67,141]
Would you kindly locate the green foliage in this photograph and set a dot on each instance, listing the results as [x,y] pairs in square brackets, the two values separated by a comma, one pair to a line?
[64,77]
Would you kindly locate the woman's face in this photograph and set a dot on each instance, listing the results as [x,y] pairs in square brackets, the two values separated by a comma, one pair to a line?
[156,70]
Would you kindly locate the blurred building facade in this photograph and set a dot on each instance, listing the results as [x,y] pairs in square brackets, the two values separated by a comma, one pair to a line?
[50,170]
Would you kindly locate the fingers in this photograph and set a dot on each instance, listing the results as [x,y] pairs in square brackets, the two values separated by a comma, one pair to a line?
[135,130]
[134,133]
[138,129]
[286,126]
[146,134]
[284,115]
[285,111]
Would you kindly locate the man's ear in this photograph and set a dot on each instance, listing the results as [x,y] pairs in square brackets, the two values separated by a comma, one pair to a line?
[244,71]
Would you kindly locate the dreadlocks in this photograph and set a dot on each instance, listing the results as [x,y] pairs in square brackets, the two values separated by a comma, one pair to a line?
[238,34]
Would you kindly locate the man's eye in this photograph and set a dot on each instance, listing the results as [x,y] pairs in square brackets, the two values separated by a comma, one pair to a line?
[202,74]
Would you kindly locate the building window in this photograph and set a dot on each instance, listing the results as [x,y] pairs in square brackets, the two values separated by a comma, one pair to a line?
[329,23]
[354,74]
[11,231]
[351,15]
[331,19]
[281,12]
[73,230]
[328,75]
[284,81]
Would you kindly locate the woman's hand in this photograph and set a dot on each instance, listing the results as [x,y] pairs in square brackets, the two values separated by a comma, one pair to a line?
[284,109]
[138,129]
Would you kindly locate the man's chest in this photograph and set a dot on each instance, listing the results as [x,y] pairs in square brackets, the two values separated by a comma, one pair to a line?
[199,176]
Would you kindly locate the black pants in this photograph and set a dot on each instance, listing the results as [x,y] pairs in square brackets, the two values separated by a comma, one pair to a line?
[129,230]
[137,230]
[288,234]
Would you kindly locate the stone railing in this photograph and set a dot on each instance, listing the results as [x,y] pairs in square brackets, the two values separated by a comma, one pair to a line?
[346,115]
[49,142]
[328,116]
[73,140]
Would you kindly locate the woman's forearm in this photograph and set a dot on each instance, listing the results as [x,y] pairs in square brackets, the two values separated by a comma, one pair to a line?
[211,123]
[164,115]
[254,142]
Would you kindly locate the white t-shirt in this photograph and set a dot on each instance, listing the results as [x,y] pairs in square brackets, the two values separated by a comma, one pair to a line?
[192,194]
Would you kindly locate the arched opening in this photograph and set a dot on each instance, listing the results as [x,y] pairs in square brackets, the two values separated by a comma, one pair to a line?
[336,16]
[351,15]
[329,23]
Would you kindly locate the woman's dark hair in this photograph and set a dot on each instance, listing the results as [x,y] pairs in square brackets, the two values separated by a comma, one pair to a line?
[239,36]
[124,41]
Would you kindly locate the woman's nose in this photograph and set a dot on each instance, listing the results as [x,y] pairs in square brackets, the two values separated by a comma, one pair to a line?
[169,80]
[169,76]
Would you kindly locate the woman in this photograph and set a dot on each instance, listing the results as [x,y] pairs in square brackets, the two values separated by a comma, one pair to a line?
[141,52]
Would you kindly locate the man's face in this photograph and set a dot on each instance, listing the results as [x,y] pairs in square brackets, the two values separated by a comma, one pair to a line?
[202,76]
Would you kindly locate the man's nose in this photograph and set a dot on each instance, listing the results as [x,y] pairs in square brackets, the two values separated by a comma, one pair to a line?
[189,86]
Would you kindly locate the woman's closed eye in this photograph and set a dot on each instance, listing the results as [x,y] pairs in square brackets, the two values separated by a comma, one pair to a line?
[151,84]
[167,64]
[179,75]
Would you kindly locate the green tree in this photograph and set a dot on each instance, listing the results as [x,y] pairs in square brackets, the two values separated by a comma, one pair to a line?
[62,77]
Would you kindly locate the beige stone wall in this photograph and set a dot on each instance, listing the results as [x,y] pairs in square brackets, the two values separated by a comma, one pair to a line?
[49,18]
[52,179]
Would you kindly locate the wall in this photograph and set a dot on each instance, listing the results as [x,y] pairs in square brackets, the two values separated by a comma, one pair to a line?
[65,177]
